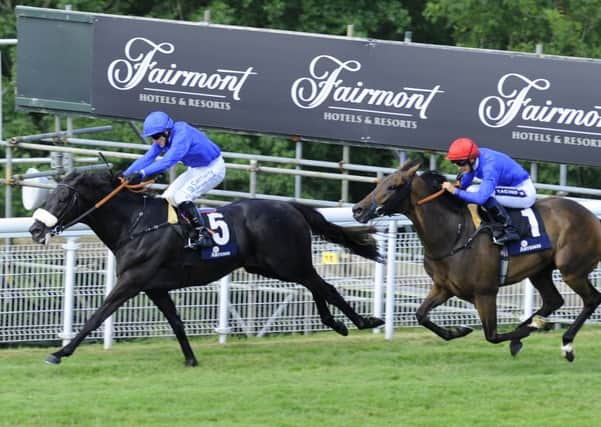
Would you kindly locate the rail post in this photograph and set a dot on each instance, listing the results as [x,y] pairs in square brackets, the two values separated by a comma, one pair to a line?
[109,284]
[390,277]
[223,328]
[69,280]
[378,284]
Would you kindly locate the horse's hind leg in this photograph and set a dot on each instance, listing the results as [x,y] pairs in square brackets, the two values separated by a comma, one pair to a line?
[552,300]
[591,299]
[331,294]
[325,314]
[164,302]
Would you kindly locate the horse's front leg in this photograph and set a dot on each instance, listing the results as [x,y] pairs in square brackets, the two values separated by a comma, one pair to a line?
[163,301]
[437,296]
[123,291]
[487,310]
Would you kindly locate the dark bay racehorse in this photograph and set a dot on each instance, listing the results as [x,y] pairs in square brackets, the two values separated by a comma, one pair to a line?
[471,271]
[274,240]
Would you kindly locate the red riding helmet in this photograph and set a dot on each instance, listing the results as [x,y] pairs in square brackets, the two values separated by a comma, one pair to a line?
[463,149]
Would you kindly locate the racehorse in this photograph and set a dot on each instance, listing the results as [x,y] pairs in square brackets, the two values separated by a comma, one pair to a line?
[273,239]
[463,262]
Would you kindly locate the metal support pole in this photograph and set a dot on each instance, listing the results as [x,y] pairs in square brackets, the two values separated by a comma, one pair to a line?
[298,180]
[390,277]
[252,179]
[563,178]
[432,162]
[346,159]
[68,157]
[346,150]
[8,190]
[69,282]
[378,284]
[223,328]
[110,277]
[534,171]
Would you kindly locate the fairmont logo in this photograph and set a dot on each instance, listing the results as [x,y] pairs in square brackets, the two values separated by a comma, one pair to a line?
[514,102]
[141,66]
[325,84]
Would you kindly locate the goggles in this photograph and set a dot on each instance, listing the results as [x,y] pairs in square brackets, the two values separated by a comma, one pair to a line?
[461,162]
[157,135]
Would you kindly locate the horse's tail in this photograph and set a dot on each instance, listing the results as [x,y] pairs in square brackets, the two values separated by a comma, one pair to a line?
[358,240]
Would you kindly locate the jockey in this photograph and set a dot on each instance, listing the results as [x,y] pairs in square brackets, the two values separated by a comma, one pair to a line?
[504,183]
[178,141]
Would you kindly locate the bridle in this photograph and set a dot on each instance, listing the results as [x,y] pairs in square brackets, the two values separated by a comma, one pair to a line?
[399,195]
[59,227]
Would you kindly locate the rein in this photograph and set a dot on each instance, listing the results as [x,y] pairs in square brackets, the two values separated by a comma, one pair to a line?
[124,184]
[431,197]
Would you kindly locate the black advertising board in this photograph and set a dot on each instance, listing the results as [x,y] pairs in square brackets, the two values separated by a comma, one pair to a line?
[372,92]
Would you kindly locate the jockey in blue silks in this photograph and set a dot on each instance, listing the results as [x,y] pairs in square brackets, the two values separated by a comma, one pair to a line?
[503,183]
[178,141]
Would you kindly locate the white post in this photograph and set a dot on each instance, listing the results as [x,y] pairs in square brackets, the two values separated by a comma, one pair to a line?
[390,268]
[224,308]
[528,302]
[69,280]
[378,284]
[109,283]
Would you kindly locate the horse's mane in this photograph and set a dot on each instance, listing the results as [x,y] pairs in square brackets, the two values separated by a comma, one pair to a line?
[97,184]
[434,180]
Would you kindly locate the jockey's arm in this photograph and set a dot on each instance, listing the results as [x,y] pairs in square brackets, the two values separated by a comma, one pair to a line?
[143,161]
[175,153]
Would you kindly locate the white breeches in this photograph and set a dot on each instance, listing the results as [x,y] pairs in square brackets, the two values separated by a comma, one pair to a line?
[520,196]
[195,182]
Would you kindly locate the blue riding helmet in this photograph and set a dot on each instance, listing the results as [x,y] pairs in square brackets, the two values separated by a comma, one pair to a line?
[156,122]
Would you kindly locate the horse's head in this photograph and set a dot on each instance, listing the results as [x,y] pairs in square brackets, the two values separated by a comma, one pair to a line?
[390,196]
[72,196]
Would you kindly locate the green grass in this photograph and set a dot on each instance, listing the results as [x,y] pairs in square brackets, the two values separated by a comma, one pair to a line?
[317,380]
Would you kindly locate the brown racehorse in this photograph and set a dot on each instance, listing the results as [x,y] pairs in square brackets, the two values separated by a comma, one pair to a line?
[465,264]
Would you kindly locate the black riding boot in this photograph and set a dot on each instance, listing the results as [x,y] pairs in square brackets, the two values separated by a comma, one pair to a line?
[498,212]
[199,235]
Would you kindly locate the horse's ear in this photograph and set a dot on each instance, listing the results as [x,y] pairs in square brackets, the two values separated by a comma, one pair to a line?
[411,166]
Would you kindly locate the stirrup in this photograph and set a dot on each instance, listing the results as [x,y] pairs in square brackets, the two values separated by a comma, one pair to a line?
[202,240]
[507,236]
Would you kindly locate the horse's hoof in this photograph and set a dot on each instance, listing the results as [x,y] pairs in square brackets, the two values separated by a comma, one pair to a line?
[372,322]
[462,331]
[341,329]
[515,347]
[51,359]
[191,362]
[567,351]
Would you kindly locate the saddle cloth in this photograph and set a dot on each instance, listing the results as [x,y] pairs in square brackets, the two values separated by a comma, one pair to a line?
[223,235]
[531,228]
[529,225]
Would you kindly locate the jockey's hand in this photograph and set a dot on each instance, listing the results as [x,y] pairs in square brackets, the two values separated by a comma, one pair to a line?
[449,187]
[135,178]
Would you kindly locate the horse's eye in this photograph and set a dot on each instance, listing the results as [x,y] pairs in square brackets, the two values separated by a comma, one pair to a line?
[392,187]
